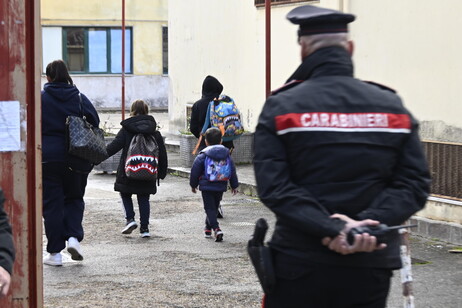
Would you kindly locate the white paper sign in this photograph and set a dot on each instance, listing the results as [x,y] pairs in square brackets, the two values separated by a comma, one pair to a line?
[10,126]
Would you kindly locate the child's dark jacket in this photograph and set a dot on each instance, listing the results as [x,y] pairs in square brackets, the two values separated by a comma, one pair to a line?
[197,177]
[144,124]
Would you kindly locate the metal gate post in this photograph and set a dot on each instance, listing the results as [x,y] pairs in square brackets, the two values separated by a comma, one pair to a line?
[20,167]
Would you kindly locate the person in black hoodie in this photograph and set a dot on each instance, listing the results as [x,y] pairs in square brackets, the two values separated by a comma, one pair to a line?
[139,122]
[211,89]
[7,251]
[64,176]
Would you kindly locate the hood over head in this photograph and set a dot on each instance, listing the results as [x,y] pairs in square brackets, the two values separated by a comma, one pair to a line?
[145,124]
[217,151]
[211,87]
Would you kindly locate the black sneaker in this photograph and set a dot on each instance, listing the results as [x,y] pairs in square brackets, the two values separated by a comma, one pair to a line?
[220,212]
[207,233]
[129,227]
[144,232]
[218,235]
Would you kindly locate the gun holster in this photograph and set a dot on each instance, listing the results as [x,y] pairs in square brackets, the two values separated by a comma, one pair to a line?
[261,257]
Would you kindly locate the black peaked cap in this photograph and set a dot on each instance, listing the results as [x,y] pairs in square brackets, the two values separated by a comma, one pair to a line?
[317,20]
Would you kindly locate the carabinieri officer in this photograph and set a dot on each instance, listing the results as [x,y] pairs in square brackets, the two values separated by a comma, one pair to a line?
[333,153]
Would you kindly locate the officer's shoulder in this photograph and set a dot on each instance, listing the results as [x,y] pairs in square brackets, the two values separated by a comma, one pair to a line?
[287,86]
[379,85]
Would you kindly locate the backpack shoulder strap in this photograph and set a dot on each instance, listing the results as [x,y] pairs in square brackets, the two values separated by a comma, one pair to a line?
[207,118]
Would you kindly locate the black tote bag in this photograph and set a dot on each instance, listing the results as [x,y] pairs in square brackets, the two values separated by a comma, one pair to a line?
[85,140]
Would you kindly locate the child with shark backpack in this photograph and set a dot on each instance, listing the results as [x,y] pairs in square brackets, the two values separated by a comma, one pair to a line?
[142,163]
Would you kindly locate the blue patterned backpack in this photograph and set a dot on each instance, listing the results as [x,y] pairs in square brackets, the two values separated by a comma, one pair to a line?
[224,114]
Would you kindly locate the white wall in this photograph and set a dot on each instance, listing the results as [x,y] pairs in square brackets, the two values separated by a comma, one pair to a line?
[411,46]
[414,47]
[225,39]
[105,91]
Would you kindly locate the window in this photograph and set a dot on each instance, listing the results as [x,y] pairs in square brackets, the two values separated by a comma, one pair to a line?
[96,50]
[273,2]
[165,50]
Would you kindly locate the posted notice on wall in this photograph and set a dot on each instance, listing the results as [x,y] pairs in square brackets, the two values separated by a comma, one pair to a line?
[10,126]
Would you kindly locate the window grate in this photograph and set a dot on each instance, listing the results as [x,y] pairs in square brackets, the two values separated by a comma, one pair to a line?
[445,163]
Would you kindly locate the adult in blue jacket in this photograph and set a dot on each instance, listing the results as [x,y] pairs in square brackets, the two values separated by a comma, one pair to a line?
[64,176]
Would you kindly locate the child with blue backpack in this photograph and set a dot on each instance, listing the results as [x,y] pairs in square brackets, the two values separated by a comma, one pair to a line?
[211,171]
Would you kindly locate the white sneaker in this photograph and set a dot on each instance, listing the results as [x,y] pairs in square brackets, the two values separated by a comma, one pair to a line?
[53,259]
[73,247]
[129,227]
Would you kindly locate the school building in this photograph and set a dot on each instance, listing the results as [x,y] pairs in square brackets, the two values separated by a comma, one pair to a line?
[87,35]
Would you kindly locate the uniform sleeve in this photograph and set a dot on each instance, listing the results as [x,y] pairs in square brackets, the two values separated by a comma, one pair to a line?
[290,203]
[7,251]
[163,159]
[408,190]
[117,144]
[195,126]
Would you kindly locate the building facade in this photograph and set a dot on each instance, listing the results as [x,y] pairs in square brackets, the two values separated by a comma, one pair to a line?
[87,35]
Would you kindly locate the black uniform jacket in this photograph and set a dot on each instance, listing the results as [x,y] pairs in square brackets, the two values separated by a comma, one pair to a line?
[329,143]
[130,127]
[7,251]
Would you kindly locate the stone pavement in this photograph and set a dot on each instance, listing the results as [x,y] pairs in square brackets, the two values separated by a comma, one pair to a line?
[177,267]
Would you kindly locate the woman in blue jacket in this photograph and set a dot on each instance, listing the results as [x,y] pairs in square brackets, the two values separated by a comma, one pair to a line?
[64,176]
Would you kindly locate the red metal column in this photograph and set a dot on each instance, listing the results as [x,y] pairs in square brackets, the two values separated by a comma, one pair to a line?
[268,45]
[20,171]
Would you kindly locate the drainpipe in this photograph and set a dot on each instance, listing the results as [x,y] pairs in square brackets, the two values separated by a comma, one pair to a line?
[123,60]
[268,45]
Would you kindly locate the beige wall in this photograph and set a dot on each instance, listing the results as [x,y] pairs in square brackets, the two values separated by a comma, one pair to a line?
[146,17]
[226,39]
[414,47]
[409,45]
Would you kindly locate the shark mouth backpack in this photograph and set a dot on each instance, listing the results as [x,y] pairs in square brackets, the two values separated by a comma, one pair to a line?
[142,158]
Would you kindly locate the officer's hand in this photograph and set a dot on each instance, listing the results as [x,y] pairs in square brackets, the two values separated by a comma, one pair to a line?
[5,280]
[362,243]
[193,189]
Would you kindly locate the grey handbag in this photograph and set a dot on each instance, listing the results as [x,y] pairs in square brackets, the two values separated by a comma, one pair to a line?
[85,140]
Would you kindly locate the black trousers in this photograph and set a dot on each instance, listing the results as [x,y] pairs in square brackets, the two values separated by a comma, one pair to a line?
[143,205]
[63,204]
[211,202]
[304,285]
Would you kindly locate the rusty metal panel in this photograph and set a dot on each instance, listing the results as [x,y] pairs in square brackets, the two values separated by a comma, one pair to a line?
[20,171]
[445,163]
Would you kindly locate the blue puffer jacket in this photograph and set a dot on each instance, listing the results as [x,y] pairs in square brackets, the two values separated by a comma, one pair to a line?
[58,101]
[218,152]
